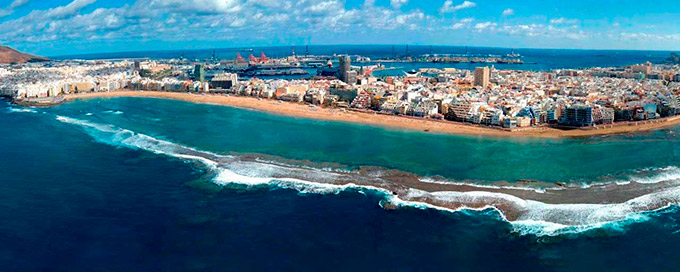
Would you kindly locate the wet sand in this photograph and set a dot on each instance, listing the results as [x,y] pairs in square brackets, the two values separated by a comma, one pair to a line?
[389,121]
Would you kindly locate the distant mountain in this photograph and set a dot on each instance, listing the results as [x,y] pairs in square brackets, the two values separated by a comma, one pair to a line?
[674,58]
[11,56]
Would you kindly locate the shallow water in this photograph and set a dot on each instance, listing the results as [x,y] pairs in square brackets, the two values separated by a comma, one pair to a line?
[75,197]
[482,159]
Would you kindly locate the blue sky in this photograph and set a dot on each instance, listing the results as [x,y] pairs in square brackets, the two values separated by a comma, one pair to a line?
[59,27]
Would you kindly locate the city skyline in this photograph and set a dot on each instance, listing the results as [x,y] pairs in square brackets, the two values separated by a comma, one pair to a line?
[65,27]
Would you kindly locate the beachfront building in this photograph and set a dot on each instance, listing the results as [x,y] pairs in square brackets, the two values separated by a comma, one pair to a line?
[578,116]
[224,81]
[423,108]
[458,111]
[486,96]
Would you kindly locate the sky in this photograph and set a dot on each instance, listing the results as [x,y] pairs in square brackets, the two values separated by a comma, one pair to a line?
[64,27]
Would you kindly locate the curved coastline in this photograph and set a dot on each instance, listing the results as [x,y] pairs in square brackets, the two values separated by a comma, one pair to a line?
[390,121]
[554,208]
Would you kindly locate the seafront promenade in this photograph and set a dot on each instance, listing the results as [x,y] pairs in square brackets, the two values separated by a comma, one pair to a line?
[301,110]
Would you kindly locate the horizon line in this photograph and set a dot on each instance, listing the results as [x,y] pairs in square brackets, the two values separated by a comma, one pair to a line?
[349,44]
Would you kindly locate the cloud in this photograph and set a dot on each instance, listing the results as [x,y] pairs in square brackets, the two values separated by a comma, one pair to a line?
[12,6]
[398,3]
[264,22]
[562,20]
[199,6]
[485,25]
[69,9]
[534,30]
[199,20]
[508,12]
[18,3]
[464,23]
[641,36]
[449,7]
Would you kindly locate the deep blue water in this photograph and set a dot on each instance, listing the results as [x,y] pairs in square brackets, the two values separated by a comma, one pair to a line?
[72,202]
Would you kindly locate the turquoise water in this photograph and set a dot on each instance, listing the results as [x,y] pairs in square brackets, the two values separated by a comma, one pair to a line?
[480,159]
[91,185]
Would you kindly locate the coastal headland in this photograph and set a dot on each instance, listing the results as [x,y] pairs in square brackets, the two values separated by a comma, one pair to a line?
[382,120]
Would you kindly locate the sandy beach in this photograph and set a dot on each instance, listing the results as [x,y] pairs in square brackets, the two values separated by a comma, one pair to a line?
[380,120]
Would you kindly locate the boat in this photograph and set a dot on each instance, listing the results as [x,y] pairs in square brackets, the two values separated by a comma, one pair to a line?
[513,54]
[412,73]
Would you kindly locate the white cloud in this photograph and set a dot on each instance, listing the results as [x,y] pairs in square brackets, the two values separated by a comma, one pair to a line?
[641,36]
[534,30]
[279,21]
[563,21]
[240,22]
[10,9]
[176,20]
[449,7]
[194,6]
[398,3]
[508,12]
[464,23]
[70,9]
[18,3]
[485,25]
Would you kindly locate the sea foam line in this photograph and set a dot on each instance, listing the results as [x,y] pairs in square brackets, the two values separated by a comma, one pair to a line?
[539,218]
[665,174]
[21,110]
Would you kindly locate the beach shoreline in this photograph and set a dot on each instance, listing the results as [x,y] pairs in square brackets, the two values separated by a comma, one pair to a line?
[299,110]
[565,203]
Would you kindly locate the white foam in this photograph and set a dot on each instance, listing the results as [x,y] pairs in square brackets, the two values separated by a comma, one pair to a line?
[642,176]
[110,134]
[541,219]
[669,173]
[22,110]
[327,169]
[114,112]
[535,218]
[487,186]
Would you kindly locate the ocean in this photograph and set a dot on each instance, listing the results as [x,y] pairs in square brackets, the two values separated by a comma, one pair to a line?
[143,184]
[534,59]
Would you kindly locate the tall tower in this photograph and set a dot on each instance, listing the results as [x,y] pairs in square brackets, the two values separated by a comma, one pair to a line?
[199,72]
[482,77]
[345,67]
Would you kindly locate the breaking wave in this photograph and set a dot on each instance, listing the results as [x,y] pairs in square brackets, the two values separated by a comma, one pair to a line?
[656,175]
[22,110]
[527,217]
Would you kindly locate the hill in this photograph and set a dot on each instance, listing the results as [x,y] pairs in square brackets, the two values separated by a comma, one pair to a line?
[11,56]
